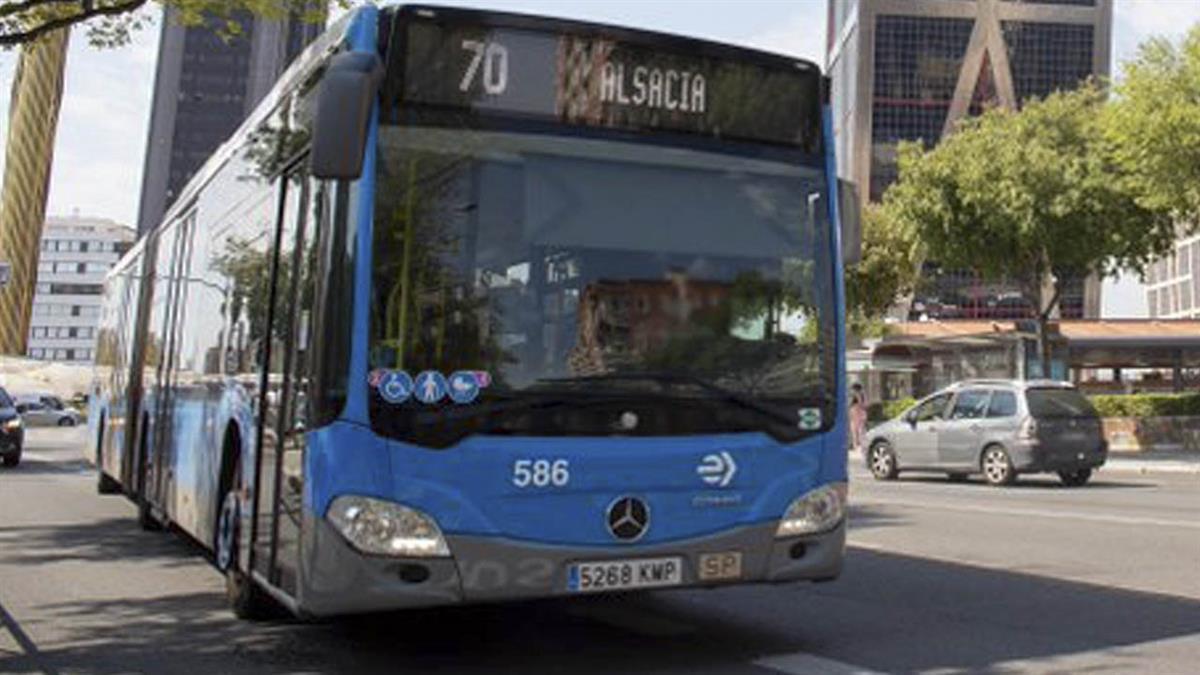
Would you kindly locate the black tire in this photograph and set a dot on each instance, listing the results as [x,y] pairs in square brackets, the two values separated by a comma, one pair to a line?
[145,513]
[1076,478]
[881,460]
[957,477]
[105,485]
[66,422]
[997,466]
[13,460]
[247,600]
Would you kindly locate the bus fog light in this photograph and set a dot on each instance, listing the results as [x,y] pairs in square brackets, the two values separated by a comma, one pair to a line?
[819,510]
[379,527]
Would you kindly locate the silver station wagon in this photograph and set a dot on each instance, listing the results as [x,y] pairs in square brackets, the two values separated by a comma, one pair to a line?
[1000,428]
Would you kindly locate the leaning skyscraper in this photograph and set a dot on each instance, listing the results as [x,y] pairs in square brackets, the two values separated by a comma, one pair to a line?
[205,86]
[906,70]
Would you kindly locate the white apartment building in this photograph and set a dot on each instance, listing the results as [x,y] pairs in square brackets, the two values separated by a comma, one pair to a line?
[77,253]
[1173,283]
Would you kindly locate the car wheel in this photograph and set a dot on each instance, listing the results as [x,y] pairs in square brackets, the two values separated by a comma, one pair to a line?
[997,466]
[247,600]
[66,422]
[881,459]
[1075,478]
[13,459]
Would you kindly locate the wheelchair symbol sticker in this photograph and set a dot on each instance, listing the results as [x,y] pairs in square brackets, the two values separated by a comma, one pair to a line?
[395,387]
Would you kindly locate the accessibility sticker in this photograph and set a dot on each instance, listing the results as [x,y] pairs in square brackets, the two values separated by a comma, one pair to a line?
[395,386]
[430,387]
[464,387]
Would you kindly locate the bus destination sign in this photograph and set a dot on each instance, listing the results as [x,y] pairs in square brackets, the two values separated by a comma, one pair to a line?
[594,80]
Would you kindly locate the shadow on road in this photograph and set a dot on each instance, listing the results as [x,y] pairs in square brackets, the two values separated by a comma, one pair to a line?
[34,466]
[888,612]
[98,541]
[1040,482]
[866,516]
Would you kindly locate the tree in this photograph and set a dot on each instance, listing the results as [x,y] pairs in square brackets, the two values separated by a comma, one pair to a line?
[890,265]
[1153,126]
[1033,197]
[112,22]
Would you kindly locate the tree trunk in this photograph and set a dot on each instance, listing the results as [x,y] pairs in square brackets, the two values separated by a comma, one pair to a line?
[1044,312]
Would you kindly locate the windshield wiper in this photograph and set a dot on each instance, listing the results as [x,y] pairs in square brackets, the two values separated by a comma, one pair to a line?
[663,377]
[540,399]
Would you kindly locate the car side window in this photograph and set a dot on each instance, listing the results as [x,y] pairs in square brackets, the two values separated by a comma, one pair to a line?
[1004,404]
[970,404]
[933,409]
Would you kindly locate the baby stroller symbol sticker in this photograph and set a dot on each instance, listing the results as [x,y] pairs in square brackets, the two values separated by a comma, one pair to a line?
[464,387]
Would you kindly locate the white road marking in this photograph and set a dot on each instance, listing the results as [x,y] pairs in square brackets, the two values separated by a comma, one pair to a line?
[1034,513]
[800,663]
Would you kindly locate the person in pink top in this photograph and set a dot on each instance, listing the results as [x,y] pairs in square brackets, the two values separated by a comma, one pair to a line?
[858,416]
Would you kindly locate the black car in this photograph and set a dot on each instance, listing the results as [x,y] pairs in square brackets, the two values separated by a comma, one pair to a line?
[12,431]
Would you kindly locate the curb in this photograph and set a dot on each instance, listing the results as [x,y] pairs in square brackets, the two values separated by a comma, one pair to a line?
[1119,464]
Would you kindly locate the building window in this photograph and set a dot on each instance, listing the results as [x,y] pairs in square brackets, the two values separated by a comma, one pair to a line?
[83,247]
[1047,57]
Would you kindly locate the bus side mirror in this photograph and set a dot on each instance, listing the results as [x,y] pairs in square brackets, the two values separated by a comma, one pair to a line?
[850,210]
[348,89]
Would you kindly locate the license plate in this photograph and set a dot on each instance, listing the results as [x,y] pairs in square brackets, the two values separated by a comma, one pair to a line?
[615,575]
[715,566]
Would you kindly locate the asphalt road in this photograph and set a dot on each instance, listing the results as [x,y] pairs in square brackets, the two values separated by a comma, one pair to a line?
[940,578]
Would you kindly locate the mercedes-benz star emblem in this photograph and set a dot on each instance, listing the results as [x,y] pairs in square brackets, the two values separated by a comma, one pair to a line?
[628,518]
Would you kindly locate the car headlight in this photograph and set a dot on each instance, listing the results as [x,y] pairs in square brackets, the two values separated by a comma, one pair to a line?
[12,424]
[818,510]
[379,527]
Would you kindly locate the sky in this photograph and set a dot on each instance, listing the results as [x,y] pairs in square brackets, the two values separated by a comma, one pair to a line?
[105,112]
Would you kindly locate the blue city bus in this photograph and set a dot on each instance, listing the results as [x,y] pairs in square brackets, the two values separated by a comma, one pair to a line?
[481,306]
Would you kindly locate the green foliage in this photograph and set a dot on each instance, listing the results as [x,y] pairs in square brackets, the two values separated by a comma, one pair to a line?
[1023,196]
[1147,405]
[890,264]
[886,410]
[111,23]
[1153,126]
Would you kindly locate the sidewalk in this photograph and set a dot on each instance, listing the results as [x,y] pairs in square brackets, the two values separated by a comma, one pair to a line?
[1153,462]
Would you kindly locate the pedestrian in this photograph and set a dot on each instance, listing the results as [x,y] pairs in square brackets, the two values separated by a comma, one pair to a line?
[858,416]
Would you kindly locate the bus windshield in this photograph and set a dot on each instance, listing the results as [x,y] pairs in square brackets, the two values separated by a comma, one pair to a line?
[595,275]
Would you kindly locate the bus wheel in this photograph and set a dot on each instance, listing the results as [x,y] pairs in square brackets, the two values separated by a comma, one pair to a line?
[145,516]
[105,485]
[247,600]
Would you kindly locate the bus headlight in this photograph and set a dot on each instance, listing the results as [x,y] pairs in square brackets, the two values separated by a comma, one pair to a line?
[378,527]
[818,510]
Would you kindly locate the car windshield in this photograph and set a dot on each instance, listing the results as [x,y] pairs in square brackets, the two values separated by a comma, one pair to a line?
[1051,403]
[525,265]
[5,401]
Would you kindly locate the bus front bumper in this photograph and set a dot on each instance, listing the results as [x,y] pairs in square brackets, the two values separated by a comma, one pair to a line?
[340,580]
